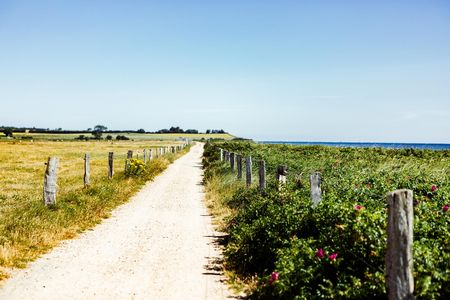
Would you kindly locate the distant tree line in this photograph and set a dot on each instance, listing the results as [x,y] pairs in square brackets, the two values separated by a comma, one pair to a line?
[98,131]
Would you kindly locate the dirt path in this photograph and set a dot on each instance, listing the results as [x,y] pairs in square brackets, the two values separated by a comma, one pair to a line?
[160,245]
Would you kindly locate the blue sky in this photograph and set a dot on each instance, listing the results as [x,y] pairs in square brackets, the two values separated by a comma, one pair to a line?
[268,70]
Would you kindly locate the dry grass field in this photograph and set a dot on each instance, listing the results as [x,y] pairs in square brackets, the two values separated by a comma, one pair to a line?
[27,228]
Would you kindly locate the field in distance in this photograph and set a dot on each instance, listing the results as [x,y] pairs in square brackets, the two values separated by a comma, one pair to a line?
[27,228]
[132,136]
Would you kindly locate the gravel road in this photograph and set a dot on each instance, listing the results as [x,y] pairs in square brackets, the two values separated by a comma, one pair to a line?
[160,245]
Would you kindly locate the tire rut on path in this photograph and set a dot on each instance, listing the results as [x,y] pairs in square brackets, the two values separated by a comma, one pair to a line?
[160,245]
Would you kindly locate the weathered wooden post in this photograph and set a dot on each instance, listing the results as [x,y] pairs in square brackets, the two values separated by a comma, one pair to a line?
[239,166]
[221,154]
[399,255]
[281,175]
[248,169]
[316,192]
[50,181]
[128,160]
[262,176]
[87,170]
[145,156]
[150,154]
[232,155]
[110,165]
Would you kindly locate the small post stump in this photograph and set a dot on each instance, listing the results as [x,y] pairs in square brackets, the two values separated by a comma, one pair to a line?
[239,166]
[128,160]
[316,192]
[87,170]
[281,175]
[399,255]
[50,178]
[110,165]
[248,169]
[262,176]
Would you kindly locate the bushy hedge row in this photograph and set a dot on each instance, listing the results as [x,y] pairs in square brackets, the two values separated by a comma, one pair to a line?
[336,250]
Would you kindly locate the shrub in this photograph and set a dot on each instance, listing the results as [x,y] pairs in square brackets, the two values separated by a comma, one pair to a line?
[337,249]
[136,167]
[122,138]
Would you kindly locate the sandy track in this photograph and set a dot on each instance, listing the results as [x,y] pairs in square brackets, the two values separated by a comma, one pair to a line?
[160,245]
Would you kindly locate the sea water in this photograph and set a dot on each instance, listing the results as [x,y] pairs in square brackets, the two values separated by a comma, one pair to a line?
[367,145]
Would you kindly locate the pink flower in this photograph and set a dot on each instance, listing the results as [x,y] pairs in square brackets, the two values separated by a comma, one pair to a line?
[320,253]
[445,208]
[433,188]
[333,256]
[273,277]
[359,207]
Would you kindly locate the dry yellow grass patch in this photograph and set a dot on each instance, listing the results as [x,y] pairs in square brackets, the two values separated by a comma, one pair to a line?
[27,228]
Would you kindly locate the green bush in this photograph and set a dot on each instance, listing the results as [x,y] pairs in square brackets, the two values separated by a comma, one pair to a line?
[136,167]
[281,233]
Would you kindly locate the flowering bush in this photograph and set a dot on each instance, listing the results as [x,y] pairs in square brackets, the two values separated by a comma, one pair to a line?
[136,167]
[337,249]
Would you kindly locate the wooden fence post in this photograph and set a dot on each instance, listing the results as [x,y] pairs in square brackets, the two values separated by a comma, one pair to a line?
[87,170]
[262,176]
[239,166]
[150,154]
[145,156]
[221,154]
[110,165]
[232,155]
[50,181]
[399,255]
[248,169]
[316,192]
[281,175]
[128,160]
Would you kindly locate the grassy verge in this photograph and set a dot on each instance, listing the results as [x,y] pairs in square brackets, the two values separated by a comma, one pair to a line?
[281,247]
[27,228]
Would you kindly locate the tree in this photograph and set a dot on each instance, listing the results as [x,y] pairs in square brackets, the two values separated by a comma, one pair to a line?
[191,131]
[208,131]
[176,130]
[98,131]
[8,131]
[141,131]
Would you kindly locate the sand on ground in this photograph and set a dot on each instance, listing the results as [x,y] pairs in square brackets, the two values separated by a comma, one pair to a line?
[159,245]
